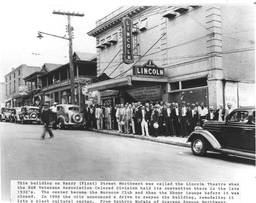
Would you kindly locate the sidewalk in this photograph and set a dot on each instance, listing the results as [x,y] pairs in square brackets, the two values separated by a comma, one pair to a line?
[179,141]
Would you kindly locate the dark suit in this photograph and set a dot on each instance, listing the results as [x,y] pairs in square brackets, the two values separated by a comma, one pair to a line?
[155,119]
[167,119]
[46,119]
[137,121]
[87,117]
[192,120]
[176,122]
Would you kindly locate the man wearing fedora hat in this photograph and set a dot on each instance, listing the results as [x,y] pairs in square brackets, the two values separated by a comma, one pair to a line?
[45,116]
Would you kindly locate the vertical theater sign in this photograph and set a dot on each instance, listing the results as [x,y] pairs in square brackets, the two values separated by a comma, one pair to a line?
[127,41]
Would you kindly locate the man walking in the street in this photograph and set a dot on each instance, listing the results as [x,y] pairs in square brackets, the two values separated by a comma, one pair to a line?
[45,116]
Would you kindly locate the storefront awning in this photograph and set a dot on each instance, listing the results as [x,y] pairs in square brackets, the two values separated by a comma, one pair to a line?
[120,82]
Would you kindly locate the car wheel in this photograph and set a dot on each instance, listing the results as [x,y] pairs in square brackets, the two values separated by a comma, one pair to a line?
[198,146]
[61,124]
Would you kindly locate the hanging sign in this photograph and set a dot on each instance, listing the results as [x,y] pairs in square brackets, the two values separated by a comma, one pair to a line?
[127,41]
[149,69]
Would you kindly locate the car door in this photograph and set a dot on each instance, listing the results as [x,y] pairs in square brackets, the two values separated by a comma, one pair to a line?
[237,133]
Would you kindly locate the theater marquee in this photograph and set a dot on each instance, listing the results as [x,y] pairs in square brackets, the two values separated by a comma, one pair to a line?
[127,41]
[149,69]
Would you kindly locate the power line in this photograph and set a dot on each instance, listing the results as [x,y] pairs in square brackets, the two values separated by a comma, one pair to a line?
[142,55]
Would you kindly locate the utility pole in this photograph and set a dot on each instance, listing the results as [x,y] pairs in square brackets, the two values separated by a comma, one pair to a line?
[71,63]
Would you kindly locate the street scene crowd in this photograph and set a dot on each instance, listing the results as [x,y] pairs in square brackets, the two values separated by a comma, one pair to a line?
[152,119]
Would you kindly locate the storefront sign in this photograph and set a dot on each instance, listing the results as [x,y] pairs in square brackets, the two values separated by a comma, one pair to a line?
[23,89]
[149,69]
[152,93]
[127,41]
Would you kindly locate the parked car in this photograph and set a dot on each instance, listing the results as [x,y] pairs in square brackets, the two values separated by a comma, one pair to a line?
[69,115]
[5,114]
[30,114]
[15,115]
[234,136]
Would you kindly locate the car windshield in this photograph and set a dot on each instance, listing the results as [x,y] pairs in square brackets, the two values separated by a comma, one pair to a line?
[73,108]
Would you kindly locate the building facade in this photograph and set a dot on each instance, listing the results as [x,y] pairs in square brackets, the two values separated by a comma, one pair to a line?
[15,87]
[34,85]
[2,94]
[179,53]
[56,82]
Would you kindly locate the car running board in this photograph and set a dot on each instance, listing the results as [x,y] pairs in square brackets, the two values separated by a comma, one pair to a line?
[239,153]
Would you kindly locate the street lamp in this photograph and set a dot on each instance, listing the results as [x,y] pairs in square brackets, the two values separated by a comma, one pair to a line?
[69,38]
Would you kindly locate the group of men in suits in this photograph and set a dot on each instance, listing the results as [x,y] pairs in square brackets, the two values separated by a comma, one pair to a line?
[152,119]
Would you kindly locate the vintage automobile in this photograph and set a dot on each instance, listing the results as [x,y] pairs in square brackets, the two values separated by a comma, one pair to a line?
[15,115]
[234,136]
[5,114]
[69,115]
[30,114]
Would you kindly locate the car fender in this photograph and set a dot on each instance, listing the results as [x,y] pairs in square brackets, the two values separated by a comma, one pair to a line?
[62,118]
[207,135]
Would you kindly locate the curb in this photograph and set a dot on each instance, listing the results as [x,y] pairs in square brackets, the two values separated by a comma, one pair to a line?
[152,139]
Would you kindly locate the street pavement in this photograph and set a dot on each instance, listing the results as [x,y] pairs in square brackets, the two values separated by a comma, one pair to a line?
[172,140]
[94,156]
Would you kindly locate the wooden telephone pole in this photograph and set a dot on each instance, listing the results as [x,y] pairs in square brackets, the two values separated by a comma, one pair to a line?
[71,63]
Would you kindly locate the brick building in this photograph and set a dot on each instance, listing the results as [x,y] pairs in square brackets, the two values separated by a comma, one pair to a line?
[181,53]
[15,88]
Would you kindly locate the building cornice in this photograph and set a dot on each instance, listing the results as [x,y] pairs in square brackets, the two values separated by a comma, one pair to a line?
[129,12]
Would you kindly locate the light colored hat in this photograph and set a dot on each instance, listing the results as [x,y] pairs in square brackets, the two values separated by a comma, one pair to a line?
[157,106]
[155,125]
[55,103]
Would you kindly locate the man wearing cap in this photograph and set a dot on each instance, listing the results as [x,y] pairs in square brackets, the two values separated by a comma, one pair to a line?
[54,114]
[45,116]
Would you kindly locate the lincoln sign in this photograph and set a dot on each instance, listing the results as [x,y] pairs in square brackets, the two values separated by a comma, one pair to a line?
[149,69]
[127,41]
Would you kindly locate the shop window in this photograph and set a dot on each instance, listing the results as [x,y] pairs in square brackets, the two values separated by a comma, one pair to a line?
[144,24]
[174,86]
[200,82]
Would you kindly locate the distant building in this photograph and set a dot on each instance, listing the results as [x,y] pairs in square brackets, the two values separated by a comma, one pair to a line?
[177,53]
[15,88]
[2,94]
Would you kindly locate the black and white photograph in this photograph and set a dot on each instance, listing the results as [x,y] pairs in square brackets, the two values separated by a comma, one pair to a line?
[127,101]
